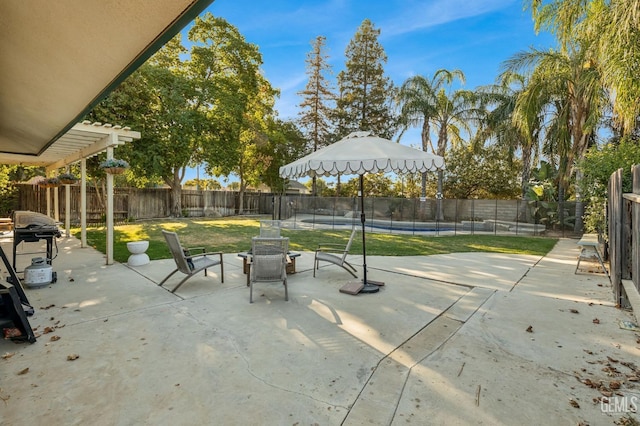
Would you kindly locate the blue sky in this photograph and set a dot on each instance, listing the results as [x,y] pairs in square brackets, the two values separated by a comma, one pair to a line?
[419,37]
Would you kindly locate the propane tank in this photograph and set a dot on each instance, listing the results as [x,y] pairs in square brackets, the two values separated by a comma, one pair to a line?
[39,274]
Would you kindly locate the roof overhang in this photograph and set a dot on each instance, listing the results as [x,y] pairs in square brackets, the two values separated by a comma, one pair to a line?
[58,59]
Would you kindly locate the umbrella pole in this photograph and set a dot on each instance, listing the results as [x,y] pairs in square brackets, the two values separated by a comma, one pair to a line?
[368,288]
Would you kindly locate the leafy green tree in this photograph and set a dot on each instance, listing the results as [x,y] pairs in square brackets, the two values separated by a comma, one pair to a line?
[208,184]
[375,185]
[418,102]
[409,185]
[365,92]
[317,100]
[597,166]
[205,107]
[483,173]
[285,143]
[8,192]
[239,99]
[324,188]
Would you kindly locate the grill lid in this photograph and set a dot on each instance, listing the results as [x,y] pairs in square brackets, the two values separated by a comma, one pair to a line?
[23,219]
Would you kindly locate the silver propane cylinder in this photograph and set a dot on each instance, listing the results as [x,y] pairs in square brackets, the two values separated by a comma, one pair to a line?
[39,274]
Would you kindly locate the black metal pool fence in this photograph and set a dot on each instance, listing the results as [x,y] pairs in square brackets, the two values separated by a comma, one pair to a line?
[429,216]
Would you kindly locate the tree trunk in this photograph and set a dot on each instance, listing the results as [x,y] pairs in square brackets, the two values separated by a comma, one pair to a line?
[176,194]
[561,196]
[578,226]
[241,196]
[176,200]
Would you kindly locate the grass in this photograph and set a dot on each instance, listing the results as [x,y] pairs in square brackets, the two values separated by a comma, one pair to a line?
[233,235]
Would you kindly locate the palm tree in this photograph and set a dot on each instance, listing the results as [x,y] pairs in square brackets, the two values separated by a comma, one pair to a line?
[611,29]
[454,115]
[418,102]
[564,92]
[509,130]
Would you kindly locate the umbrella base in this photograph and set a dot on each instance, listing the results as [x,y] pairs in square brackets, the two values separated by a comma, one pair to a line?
[370,288]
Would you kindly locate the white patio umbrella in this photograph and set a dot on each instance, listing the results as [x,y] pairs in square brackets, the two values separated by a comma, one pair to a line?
[357,154]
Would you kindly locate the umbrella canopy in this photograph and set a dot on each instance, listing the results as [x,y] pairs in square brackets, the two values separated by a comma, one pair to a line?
[360,153]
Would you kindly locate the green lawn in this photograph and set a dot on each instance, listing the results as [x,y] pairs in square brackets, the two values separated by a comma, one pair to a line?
[233,235]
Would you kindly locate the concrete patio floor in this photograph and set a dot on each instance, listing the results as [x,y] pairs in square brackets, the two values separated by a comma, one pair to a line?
[445,341]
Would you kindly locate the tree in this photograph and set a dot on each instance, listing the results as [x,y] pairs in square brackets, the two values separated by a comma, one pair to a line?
[564,92]
[239,100]
[481,173]
[453,114]
[365,91]
[324,189]
[375,185]
[195,108]
[417,100]
[285,143]
[597,166]
[611,30]
[512,132]
[206,184]
[316,110]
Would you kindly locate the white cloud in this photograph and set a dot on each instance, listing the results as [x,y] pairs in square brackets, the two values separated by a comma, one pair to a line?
[416,16]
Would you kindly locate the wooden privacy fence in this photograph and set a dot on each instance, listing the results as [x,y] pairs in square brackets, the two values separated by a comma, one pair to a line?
[147,203]
[623,213]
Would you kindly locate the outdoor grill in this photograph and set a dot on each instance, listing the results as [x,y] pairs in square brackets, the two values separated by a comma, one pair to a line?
[33,227]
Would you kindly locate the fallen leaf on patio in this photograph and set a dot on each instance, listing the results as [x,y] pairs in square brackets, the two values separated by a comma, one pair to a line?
[589,383]
[588,351]
[574,403]
[23,371]
[8,355]
[71,280]
[530,329]
[72,357]
[11,332]
[574,311]
[47,307]
[606,393]
[596,321]
[55,338]
[612,359]
[614,384]
[47,330]
[633,378]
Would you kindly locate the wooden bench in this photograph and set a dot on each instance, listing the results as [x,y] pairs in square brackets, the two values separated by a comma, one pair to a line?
[590,250]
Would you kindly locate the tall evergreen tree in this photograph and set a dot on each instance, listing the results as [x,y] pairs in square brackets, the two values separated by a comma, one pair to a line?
[366,93]
[317,99]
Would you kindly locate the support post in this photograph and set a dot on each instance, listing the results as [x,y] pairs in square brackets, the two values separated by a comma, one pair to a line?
[83,203]
[110,205]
